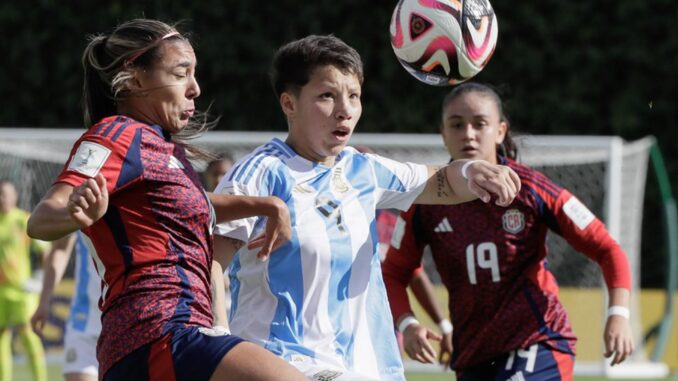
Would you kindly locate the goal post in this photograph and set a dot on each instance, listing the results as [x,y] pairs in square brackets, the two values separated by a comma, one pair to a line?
[607,173]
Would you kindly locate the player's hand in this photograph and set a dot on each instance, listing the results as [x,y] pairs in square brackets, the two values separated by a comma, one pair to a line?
[416,343]
[445,351]
[278,229]
[486,180]
[618,339]
[39,318]
[89,201]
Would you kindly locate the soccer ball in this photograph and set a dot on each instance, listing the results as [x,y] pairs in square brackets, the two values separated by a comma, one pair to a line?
[443,42]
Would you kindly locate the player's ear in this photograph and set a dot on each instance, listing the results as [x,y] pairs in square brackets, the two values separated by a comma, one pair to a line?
[288,103]
[501,132]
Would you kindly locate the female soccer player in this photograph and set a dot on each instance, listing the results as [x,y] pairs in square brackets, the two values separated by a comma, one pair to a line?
[508,322]
[130,188]
[17,301]
[319,302]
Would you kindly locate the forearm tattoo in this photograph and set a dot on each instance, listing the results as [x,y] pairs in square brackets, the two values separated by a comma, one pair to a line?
[441,182]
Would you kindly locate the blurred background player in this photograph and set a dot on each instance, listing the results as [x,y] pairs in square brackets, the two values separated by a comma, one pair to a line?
[508,322]
[421,286]
[319,302]
[17,302]
[216,169]
[84,321]
[129,186]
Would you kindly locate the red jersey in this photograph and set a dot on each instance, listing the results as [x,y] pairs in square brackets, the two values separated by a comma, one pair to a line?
[491,259]
[153,245]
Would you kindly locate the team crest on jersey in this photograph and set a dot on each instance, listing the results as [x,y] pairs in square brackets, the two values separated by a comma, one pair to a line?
[338,182]
[513,221]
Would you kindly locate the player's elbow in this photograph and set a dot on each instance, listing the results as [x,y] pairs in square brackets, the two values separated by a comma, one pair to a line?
[33,229]
[39,230]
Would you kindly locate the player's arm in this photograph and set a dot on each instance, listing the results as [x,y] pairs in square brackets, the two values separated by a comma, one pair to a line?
[65,209]
[278,226]
[403,257]
[422,288]
[588,235]
[465,180]
[224,250]
[54,266]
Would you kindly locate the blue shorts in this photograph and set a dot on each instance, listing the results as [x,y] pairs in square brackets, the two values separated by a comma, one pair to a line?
[539,362]
[184,354]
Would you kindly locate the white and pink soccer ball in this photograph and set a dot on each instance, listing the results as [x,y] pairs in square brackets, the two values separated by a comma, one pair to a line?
[443,42]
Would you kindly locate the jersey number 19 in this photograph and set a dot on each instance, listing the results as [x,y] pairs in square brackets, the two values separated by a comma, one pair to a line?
[485,257]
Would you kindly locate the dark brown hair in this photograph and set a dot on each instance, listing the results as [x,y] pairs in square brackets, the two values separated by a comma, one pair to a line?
[508,147]
[295,61]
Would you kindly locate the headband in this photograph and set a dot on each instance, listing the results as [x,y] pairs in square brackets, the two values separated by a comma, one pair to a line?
[138,54]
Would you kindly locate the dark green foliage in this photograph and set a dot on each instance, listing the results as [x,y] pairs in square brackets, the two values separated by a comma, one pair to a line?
[584,67]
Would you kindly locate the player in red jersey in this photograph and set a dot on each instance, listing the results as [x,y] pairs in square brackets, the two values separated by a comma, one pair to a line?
[129,186]
[503,300]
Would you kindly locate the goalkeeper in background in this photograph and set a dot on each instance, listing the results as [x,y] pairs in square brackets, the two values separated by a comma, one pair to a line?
[508,322]
[17,299]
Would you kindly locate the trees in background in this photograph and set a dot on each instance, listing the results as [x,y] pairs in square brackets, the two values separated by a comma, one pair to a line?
[598,68]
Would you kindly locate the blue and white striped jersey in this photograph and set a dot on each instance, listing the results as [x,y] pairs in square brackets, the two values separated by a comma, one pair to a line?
[85,315]
[320,297]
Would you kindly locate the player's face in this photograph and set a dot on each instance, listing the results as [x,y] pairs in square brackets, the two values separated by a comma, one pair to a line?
[168,89]
[323,115]
[215,172]
[8,197]
[472,127]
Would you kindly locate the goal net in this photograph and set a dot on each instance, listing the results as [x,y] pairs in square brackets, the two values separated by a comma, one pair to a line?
[605,173]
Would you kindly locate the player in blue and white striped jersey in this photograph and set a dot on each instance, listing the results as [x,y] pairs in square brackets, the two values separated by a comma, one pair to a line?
[84,321]
[319,301]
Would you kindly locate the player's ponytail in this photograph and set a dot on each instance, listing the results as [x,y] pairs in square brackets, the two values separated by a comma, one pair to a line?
[97,98]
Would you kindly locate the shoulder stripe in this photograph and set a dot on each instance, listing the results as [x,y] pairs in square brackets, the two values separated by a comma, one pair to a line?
[121,129]
[256,165]
[285,150]
[254,159]
[101,126]
[538,179]
[537,187]
[112,125]
[243,166]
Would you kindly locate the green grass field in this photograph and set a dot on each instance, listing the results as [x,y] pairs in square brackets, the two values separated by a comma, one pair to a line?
[21,373]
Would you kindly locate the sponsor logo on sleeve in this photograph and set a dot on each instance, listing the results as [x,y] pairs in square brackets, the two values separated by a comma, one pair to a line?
[578,213]
[89,158]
